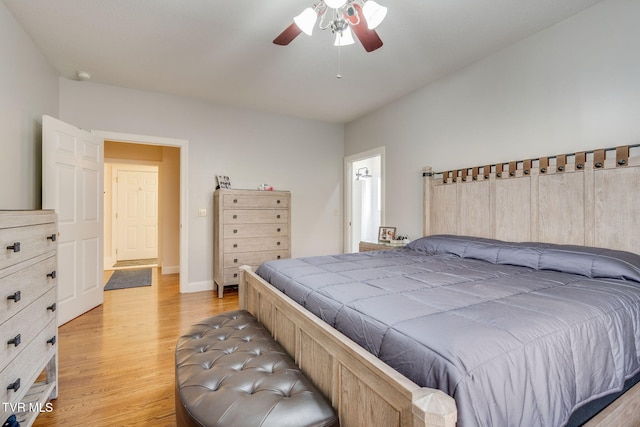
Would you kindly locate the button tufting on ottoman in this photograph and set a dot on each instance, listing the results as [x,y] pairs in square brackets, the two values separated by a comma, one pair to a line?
[231,372]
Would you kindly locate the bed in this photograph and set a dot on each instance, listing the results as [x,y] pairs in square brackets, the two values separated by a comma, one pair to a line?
[507,368]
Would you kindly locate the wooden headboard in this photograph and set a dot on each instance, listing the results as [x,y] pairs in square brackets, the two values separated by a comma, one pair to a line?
[589,198]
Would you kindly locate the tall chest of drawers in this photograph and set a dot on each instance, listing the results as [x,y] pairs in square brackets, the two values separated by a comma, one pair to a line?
[250,227]
[28,324]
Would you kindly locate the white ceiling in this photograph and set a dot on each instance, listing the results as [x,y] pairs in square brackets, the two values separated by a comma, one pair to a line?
[221,50]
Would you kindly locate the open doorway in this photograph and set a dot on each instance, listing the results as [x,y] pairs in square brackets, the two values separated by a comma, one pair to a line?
[142,209]
[364,192]
[170,156]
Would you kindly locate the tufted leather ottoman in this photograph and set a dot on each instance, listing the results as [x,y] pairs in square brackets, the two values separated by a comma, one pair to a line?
[230,372]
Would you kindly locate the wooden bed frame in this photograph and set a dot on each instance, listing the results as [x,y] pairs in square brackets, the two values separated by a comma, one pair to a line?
[587,198]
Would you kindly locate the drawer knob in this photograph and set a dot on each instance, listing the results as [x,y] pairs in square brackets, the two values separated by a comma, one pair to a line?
[235,245]
[235,275]
[15,340]
[278,243]
[235,260]
[278,257]
[278,230]
[235,200]
[52,274]
[278,201]
[235,231]
[14,386]
[15,247]
[16,296]
[278,216]
[53,237]
[52,307]
[235,217]
[52,340]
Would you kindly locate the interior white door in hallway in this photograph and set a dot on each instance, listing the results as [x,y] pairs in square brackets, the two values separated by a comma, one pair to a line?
[137,213]
[72,185]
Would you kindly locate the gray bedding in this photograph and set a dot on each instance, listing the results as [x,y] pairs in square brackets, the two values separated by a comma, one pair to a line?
[519,334]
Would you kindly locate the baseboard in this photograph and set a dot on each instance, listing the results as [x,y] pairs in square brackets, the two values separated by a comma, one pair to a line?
[170,269]
[198,287]
[108,263]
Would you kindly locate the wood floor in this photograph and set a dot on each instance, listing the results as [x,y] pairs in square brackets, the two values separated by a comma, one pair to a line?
[116,362]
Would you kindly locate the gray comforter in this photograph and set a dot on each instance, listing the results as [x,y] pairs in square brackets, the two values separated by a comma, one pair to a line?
[518,334]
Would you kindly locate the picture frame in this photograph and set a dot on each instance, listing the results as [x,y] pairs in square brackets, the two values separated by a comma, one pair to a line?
[223,181]
[386,234]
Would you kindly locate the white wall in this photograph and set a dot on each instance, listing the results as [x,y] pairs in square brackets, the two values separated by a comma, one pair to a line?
[574,86]
[28,89]
[251,147]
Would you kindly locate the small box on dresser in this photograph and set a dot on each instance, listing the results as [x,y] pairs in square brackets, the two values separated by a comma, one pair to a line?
[250,227]
[28,322]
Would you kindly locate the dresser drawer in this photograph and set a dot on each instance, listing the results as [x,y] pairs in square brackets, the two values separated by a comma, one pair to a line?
[253,201]
[232,262]
[25,326]
[19,244]
[252,258]
[255,230]
[28,366]
[253,216]
[24,286]
[256,244]
[230,276]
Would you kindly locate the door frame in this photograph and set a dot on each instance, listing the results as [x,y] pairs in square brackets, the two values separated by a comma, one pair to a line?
[183,145]
[348,190]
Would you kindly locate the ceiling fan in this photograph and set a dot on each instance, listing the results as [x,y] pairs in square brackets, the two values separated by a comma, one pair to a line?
[341,16]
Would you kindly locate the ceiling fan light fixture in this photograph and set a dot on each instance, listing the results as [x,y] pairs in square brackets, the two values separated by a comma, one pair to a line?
[339,16]
[344,38]
[373,13]
[335,4]
[306,20]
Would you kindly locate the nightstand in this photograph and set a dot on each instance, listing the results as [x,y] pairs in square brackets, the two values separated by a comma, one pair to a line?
[368,246]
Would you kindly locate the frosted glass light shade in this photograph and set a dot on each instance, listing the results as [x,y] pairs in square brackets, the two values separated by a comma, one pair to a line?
[344,38]
[373,13]
[335,3]
[306,20]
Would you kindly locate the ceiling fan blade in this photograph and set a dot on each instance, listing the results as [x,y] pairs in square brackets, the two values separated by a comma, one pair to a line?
[287,36]
[369,38]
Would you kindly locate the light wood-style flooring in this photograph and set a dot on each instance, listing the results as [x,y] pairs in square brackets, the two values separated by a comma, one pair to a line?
[116,362]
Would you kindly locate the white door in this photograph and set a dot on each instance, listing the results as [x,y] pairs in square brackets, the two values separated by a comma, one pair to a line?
[137,214]
[72,185]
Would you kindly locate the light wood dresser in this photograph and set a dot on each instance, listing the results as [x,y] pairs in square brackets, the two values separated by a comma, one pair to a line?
[28,324]
[250,227]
